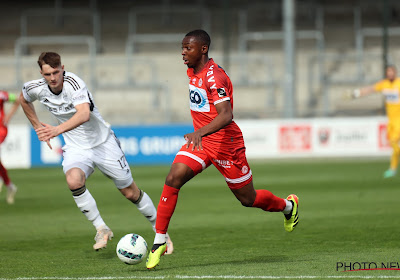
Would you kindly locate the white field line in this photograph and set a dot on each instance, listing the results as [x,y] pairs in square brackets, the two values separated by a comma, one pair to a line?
[210,277]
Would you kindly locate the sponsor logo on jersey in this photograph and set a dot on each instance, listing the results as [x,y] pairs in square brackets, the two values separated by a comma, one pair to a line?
[391,96]
[221,92]
[46,100]
[61,109]
[212,78]
[198,99]
[79,97]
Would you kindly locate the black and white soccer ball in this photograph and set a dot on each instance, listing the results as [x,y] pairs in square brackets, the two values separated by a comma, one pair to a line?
[132,248]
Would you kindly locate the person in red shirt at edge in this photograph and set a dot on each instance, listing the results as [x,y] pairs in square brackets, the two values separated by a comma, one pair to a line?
[4,120]
[216,140]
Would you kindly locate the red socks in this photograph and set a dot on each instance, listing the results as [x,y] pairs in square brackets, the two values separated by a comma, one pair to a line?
[169,197]
[166,208]
[269,202]
[4,175]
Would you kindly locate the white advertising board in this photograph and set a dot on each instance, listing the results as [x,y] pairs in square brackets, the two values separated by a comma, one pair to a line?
[323,137]
[16,149]
[338,137]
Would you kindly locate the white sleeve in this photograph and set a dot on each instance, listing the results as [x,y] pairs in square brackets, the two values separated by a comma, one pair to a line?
[29,92]
[77,88]
[80,96]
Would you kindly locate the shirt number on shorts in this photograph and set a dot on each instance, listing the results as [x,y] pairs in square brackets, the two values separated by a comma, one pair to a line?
[122,161]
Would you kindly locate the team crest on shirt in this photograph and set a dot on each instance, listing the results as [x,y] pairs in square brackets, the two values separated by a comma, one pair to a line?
[221,92]
[194,81]
[200,82]
[245,169]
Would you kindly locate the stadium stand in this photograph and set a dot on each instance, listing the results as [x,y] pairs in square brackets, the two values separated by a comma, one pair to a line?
[137,59]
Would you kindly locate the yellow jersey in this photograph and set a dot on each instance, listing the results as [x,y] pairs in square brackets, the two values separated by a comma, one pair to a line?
[391,93]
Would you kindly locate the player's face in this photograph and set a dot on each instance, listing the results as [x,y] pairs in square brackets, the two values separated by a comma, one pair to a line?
[54,77]
[391,73]
[192,51]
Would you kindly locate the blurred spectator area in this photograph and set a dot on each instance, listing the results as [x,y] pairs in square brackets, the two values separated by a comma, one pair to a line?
[129,52]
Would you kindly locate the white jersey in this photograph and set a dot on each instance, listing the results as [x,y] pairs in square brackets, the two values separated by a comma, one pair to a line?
[62,106]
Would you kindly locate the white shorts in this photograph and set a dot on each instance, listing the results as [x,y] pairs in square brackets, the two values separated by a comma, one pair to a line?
[108,157]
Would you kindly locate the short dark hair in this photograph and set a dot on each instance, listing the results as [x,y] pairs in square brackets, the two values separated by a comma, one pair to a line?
[201,35]
[51,58]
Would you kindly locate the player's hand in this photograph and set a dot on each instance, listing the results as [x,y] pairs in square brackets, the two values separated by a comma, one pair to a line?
[350,94]
[6,120]
[46,132]
[195,139]
[48,144]
[355,93]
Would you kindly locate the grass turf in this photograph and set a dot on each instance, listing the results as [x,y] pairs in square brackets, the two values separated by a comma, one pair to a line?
[348,213]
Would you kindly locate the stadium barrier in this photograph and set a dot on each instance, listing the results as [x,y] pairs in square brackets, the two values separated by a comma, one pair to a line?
[288,138]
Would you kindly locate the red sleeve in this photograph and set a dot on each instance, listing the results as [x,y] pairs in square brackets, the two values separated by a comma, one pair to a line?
[3,95]
[219,86]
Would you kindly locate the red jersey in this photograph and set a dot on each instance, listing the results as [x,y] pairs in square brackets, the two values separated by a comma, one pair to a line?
[4,96]
[206,89]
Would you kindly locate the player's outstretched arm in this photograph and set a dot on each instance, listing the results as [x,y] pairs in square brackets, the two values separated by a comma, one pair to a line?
[364,91]
[13,109]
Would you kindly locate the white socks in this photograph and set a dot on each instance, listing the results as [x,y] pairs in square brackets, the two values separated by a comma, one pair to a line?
[146,207]
[160,238]
[87,205]
[288,208]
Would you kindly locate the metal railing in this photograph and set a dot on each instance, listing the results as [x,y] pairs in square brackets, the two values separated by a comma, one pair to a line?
[361,33]
[59,13]
[158,90]
[135,38]
[322,90]
[23,42]
[246,36]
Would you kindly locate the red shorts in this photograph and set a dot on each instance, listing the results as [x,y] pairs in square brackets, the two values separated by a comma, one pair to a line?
[231,163]
[3,133]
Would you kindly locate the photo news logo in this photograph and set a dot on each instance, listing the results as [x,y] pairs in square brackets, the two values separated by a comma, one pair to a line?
[366,266]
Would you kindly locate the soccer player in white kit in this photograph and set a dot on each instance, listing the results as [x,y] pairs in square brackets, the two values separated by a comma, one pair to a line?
[89,141]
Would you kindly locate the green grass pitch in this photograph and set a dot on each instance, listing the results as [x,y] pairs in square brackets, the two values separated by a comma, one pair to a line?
[348,214]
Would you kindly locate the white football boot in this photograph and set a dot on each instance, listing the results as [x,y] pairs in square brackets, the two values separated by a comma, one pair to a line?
[102,236]
[11,191]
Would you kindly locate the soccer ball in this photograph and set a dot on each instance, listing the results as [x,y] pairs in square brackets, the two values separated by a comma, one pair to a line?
[132,249]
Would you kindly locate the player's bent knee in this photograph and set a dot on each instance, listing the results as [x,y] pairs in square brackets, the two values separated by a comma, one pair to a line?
[74,183]
[179,175]
[75,180]
[173,180]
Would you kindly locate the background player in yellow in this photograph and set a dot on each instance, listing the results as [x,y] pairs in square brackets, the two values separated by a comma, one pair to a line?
[390,88]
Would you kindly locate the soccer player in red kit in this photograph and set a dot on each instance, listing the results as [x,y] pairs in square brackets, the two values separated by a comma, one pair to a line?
[216,140]
[5,96]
